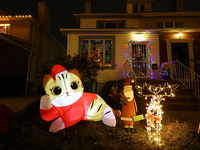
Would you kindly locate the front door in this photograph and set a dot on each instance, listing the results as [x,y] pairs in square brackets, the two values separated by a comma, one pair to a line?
[180,52]
[139,55]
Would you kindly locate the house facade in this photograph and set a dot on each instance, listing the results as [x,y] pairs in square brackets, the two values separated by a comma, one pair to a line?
[25,44]
[139,36]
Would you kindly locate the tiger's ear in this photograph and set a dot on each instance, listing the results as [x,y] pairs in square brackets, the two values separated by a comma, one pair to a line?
[76,72]
[46,79]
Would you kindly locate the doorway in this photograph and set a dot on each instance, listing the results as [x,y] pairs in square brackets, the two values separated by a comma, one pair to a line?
[139,55]
[180,52]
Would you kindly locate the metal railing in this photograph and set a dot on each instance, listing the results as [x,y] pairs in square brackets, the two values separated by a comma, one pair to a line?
[186,76]
[179,72]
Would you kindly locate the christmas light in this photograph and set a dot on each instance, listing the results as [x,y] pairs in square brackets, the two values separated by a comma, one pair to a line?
[154,108]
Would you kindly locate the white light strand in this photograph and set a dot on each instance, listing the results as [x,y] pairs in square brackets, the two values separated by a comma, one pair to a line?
[154,108]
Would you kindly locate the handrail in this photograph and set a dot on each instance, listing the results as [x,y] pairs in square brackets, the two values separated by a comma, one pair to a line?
[186,76]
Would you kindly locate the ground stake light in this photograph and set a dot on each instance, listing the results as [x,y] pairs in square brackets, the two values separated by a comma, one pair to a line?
[154,108]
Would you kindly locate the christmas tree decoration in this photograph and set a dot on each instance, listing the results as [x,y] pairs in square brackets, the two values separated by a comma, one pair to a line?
[154,108]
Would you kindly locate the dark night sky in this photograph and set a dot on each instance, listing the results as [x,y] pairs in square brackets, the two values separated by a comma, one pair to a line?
[62,10]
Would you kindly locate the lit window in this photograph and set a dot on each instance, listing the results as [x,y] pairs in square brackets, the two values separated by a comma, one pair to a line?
[100,49]
[4,28]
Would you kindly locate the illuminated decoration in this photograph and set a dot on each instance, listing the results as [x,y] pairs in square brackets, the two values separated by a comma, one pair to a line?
[3,28]
[21,16]
[154,108]
[100,50]
[67,104]
[129,106]
[165,70]
[140,57]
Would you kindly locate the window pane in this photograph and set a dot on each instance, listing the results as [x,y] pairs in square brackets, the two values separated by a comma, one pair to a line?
[135,8]
[100,50]
[169,25]
[108,52]
[159,25]
[84,48]
[97,51]
[120,25]
[178,24]
[2,29]
[110,25]
[142,8]
[100,25]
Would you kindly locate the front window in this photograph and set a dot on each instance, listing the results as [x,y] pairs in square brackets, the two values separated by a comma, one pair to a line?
[4,28]
[100,49]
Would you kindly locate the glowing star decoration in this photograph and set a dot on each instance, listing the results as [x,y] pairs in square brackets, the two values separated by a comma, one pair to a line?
[67,104]
[154,108]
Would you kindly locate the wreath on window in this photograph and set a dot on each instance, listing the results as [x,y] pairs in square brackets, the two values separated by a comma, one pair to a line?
[138,56]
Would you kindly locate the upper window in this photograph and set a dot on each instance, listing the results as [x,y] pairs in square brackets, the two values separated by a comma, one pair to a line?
[142,7]
[138,8]
[4,28]
[111,24]
[135,8]
[100,49]
[169,25]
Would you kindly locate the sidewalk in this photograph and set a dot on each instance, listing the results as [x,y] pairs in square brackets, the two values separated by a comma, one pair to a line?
[18,103]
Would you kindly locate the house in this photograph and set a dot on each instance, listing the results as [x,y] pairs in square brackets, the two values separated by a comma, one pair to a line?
[140,36]
[25,43]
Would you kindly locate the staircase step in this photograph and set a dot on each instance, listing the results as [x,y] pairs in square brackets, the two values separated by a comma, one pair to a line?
[181,106]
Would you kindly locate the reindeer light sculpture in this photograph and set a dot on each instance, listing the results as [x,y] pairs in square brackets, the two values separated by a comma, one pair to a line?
[154,108]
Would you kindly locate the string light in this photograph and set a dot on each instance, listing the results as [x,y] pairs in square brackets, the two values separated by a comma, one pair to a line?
[154,108]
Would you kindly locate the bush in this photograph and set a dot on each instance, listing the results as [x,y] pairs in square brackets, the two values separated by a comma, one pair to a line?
[8,121]
[86,67]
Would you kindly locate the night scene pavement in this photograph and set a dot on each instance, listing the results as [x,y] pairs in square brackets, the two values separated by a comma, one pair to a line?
[18,103]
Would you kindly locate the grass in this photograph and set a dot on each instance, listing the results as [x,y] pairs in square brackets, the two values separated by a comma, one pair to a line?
[32,133]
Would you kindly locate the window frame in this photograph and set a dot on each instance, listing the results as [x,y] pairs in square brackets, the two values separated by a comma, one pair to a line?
[107,22]
[175,24]
[6,28]
[100,38]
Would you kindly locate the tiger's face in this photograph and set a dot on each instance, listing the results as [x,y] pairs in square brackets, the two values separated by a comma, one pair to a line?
[65,89]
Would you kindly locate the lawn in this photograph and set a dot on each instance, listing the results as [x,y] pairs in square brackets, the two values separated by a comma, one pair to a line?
[31,133]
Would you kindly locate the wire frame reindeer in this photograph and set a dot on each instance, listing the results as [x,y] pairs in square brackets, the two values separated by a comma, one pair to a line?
[154,108]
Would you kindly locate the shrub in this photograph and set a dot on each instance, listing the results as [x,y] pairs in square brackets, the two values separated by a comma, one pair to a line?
[8,121]
[86,67]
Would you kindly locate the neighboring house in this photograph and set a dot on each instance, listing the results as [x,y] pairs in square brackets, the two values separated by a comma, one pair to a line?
[145,38]
[25,43]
